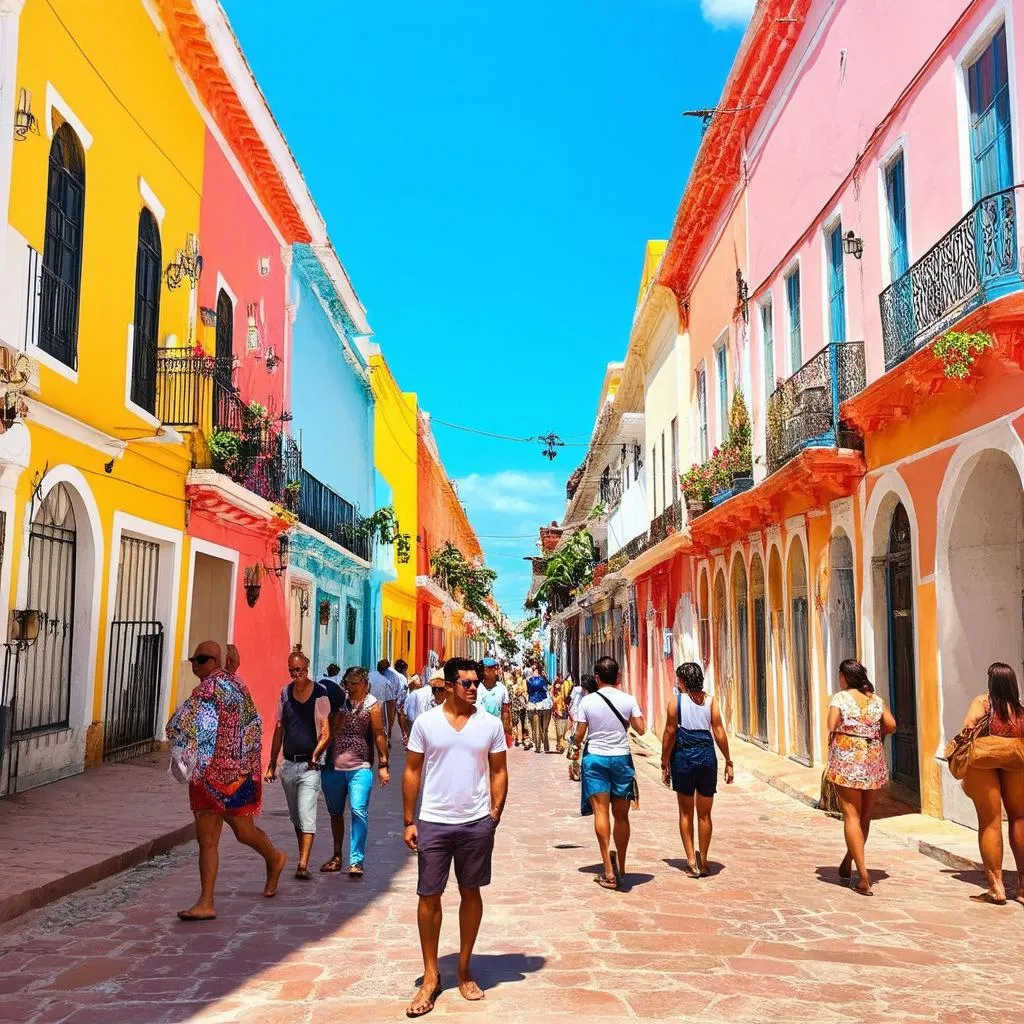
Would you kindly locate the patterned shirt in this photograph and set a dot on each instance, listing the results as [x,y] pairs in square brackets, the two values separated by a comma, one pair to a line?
[220,720]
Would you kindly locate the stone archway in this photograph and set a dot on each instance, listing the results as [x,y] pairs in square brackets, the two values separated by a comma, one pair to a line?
[799,620]
[723,649]
[842,606]
[704,619]
[758,606]
[777,646]
[741,643]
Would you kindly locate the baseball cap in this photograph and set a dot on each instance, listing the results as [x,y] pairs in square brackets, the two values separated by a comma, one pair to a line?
[489,662]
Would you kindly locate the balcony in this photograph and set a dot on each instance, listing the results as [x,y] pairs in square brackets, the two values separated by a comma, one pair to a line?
[610,492]
[323,510]
[804,411]
[973,264]
[229,437]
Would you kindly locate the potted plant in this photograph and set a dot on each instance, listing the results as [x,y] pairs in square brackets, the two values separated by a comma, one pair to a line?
[292,490]
[253,584]
[739,444]
[225,451]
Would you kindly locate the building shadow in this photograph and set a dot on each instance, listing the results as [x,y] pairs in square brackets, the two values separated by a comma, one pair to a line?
[489,969]
[714,867]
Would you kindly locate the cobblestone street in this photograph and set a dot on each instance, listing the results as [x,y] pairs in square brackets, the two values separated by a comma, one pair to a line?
[770,936]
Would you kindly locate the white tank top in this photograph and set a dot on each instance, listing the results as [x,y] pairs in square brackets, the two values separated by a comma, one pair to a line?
[692,716]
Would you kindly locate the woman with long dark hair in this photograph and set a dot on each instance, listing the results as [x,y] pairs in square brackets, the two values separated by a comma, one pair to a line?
[992,789]
[693,725]
[857,722]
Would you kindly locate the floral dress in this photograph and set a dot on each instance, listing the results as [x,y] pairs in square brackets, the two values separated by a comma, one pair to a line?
[855,755]
[220,721]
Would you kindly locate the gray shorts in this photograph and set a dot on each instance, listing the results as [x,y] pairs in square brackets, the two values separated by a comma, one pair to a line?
[469,844]
[301,785]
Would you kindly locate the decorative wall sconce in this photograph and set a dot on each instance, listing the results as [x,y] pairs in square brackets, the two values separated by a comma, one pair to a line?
[23,628]
[24,120]
[324,612]
[253,584]
[252,332]
[264,266]
[187,263]
[742,295]
[280,556]
[272,359]
[303,603]
[852,245]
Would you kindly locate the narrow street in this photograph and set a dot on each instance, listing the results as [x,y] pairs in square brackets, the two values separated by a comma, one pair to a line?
[769,937]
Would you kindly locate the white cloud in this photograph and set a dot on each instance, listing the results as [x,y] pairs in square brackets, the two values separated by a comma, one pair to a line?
[727,13]
[508,491]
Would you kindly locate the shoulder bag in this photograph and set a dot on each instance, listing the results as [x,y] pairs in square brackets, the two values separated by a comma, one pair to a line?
[960,749]
[625,726]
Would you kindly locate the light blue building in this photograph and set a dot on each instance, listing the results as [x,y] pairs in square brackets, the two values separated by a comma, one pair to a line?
[333,582]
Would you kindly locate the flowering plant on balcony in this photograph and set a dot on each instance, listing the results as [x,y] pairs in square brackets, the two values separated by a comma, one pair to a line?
[734,458]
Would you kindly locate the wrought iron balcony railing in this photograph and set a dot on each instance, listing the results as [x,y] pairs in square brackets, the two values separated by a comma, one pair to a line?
[974,263]
[803,412]
[327,512]
[237,439]
[610,492]
[669,521]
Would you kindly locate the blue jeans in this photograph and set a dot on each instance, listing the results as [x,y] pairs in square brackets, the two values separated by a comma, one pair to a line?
[352,786]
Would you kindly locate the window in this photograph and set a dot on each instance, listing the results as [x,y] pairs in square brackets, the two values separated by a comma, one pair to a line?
[148,272]
[61,281]
[768,343]
[350,623]
[988,93]
[224,351]
[896,207]
[836,284]
[722,366]
[638,462]
[793,305]
[702,413]
[664,489]
[654,479]
[675,460]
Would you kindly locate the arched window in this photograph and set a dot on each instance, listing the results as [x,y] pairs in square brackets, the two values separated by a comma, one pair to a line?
[225,332]
[61,275]
[148,271]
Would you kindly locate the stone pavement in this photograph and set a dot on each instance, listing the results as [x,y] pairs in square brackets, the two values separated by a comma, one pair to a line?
[770,936]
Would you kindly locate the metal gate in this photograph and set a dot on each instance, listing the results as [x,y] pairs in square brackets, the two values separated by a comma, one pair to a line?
[136,654]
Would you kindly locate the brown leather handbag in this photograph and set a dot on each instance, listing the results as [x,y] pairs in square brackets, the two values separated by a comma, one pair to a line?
[1005,752]
[959,750]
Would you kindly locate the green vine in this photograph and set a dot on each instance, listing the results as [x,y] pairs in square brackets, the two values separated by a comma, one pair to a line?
[598,512]
[472,585]
[570,568]
[383,525]
[957,351]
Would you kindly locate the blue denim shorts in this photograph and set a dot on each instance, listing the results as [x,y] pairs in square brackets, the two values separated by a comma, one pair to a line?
[607,773]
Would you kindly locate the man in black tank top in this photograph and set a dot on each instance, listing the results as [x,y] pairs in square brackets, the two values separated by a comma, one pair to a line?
[303,712]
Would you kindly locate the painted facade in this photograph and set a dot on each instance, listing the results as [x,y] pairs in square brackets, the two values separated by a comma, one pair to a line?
[395,418]
[815,272]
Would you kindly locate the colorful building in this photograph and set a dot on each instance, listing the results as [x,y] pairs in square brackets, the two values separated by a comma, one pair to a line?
[395,458]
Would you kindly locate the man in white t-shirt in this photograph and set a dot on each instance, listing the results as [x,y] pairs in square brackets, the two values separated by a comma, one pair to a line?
[493,696]
[607,775]
[423,699]
[458,753]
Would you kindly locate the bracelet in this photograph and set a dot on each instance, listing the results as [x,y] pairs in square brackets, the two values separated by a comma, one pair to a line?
[409,824]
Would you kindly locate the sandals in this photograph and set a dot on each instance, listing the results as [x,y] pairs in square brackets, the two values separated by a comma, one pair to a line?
[607,883]
[427,1008]
[302,874]
[702,868]
[987,897]
[355,871]
[333,865]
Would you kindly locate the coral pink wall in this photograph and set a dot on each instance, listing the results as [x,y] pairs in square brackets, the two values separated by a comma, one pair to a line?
[234,236]
[810,139]
[261,633]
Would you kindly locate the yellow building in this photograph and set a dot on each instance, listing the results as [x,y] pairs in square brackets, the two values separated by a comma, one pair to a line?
[394,457]
[104,189]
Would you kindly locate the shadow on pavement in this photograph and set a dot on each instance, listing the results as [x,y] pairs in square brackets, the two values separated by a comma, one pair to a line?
[973,876]
[830,876]
[489,969]
[680,864]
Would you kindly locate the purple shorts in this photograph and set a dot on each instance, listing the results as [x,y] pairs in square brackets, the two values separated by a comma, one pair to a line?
[470,844]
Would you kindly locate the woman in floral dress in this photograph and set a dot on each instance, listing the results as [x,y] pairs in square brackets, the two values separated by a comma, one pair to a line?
[517,697]
[857,722]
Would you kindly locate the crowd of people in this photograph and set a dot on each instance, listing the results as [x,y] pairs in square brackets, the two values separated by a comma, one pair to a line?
[333,734]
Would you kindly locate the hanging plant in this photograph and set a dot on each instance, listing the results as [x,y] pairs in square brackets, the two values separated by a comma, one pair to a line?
[384,527]
[292,490]
[253,584]
[598,512]
[957,351]
[324,612]
[225,450]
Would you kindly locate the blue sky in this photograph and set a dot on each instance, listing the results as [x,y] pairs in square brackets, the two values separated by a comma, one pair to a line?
[490,174]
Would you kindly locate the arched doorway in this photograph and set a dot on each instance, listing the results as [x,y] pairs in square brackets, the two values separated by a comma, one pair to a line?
[742,639]
[980,600]
[842,606]
[800,661]
[704,619]
[777,645]
[43,698]
[758,604]
[899,591]
[723,649]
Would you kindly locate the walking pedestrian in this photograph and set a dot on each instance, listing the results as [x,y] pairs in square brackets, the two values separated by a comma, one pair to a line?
[538,695]
[459,756]
[221,728]
[693,725]
[303,715]
[559,713]
[858,720]
[991,789]
[404,724]
[400,673]
[384,687]
[493,697]
[425,698]
[607,774]
[332,684]
[518,704]
[347,775]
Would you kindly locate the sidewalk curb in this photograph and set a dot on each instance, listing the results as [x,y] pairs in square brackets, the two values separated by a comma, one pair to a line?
[32,899]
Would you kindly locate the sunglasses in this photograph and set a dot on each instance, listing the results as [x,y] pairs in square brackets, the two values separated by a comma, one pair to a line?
[294,670]
[471,684]
[201,659]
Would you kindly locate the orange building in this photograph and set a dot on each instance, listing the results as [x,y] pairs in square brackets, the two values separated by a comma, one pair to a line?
[443,627]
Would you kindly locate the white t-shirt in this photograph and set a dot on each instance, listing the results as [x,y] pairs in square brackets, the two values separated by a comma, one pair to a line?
[383,687]
[492,700]
[417,702]
[605,734]
[456,775]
